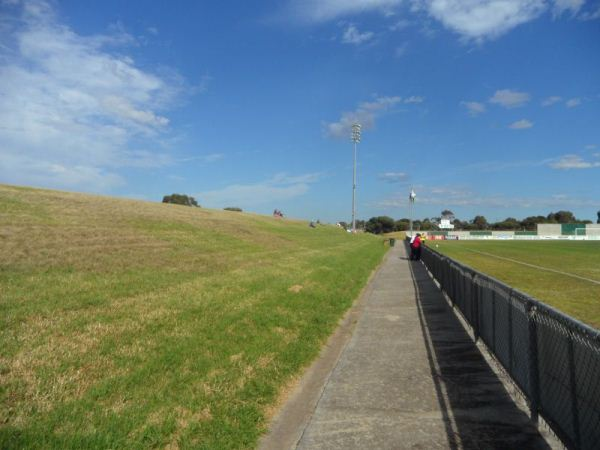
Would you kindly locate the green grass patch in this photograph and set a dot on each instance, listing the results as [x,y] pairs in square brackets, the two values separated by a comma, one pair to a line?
[558,287]
[129,324]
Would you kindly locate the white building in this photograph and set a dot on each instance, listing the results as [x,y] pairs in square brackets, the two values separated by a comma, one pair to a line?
[446,225]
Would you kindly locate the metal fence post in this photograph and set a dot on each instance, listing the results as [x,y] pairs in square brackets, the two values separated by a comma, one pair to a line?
[494,320]
[510,332]
[534,371]
[475,306]
[573,391]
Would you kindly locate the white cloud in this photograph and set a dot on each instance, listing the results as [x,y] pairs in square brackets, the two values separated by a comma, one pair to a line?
[323,10]
[393,177]
[482,19]
[476,20]
[509,98]
[573,102]
[549,101]
[561,6]
[522,124]
[414,99]
[474,108]
[73,112]
[355,37]
[365,114]
[279,188]
[15,168]
[591,147]
[568,162]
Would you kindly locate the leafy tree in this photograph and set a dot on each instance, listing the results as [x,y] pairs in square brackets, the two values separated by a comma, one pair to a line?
[598,221]
[480,223]
[402,225]
[461,225]
[530,223]
[510,223]
[380,224]
[180,199]
[561,217]
[427,225]
[447,214]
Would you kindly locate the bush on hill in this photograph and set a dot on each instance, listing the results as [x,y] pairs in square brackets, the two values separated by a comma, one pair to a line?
[233,208]
[180,199]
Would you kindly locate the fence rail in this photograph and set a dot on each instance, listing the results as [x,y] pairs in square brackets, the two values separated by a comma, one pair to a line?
[552,358]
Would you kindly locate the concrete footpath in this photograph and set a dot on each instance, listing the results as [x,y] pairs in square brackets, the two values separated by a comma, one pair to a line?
[402,373]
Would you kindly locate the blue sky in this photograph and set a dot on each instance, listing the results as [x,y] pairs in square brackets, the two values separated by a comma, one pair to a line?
[484,106]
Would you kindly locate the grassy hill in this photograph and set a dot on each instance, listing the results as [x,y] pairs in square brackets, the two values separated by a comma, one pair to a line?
[128,324]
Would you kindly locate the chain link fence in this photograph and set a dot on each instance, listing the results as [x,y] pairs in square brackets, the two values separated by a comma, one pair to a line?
[552,358]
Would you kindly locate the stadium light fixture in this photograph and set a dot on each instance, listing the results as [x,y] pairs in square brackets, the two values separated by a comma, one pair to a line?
[356,139]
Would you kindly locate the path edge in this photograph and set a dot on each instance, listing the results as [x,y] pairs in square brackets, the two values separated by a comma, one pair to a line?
[287,426]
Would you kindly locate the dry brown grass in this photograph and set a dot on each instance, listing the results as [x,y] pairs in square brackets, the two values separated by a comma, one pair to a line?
[128,323]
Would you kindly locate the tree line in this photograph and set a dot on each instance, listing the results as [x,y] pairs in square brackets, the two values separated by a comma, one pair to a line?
[386,224]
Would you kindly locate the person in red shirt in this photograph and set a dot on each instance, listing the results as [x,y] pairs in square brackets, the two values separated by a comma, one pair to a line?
[415,248]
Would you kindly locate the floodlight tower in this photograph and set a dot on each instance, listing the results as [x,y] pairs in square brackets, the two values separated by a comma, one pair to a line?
[356,140]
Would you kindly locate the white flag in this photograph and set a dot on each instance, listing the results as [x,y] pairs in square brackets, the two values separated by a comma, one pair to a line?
[412,196]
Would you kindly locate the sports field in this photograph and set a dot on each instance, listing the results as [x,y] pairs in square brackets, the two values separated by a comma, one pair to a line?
[563,274]
[135,325]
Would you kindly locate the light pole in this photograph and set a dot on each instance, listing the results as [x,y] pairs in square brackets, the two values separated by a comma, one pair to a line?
[411,201]
[356,140]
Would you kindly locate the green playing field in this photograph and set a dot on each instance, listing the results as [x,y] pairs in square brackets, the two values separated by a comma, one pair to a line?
[563,274]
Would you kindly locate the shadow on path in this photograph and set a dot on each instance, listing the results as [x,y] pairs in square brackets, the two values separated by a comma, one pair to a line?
[478,412]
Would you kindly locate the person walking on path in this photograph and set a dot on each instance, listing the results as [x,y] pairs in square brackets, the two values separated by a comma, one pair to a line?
[415,248]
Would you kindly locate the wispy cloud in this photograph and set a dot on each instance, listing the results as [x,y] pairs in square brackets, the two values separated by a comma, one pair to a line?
[208,158]
[569,162]
[365,114]
[498,166]
[573,102]
[562,6]
[414,99]
[74,111]
[549,101]
[474,108]
[399,25]
[590,15]
[522,124]
[401,50]
[393,177]
[268,192]
[353,36]
[323,10]
[509,98]
[460,196]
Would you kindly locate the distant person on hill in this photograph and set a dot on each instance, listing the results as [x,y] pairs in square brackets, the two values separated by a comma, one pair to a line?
[415,248]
